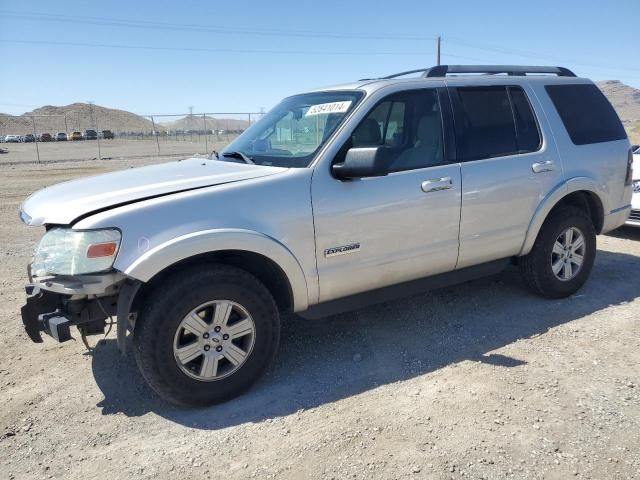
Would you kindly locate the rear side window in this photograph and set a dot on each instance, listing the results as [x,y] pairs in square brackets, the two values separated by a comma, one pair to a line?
[586,113]
[527,132]
[485,125]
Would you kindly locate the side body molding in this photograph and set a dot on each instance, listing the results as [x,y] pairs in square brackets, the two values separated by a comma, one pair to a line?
[164,255]
[546,205]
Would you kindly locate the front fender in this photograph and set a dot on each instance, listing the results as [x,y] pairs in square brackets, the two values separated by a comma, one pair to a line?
[546,205]
[166,254]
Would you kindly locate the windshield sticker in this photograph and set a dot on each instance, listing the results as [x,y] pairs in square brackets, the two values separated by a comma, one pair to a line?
[333,107]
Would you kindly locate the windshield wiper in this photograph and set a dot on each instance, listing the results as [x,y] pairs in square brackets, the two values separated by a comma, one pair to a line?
[239,155]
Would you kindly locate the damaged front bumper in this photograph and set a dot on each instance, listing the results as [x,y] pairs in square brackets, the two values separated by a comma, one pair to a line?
[55,304]
[54,313]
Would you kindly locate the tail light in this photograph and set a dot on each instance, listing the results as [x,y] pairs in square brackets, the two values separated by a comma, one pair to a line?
[629,178]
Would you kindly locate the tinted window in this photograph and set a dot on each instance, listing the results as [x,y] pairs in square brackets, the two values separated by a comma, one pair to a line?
[410,125]
[527,133]
[586,113]
[484,123]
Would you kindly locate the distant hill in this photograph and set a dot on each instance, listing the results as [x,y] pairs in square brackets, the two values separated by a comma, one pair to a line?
[626,101]
[196,122]
[77,116]
[81,116]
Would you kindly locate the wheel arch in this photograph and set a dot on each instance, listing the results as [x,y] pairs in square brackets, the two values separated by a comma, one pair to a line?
[263,256]
[581,192]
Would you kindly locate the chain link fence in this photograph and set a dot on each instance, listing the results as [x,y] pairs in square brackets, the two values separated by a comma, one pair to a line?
[93,134]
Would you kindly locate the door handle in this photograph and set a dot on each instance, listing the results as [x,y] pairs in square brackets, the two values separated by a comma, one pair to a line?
[540,167]
[436,184]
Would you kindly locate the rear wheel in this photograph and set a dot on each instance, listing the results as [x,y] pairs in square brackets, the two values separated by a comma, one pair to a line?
[206,334]
[563,254]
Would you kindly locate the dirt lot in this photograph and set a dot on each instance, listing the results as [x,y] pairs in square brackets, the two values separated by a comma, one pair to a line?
[118,148]
[483,380]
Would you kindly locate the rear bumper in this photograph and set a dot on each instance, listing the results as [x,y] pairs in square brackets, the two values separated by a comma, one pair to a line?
[616,218]
[634,218]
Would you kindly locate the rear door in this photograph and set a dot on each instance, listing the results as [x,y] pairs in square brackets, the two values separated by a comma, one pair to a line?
[508,165]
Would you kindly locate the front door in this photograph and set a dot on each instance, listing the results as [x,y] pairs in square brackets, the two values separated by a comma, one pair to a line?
[379,231]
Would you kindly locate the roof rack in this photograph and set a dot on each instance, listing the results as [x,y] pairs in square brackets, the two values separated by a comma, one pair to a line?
[515,70]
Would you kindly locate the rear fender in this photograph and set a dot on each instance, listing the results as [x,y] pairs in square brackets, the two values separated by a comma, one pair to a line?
[572,185]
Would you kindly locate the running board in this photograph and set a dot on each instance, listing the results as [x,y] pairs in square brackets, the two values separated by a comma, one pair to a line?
[406,289]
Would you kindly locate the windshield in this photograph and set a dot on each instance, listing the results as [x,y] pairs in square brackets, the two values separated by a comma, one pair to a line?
[293,131]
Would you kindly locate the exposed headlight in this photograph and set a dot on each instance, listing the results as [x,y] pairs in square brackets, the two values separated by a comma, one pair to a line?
[63,251]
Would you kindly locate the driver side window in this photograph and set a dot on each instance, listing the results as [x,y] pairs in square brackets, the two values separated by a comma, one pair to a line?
[410,125]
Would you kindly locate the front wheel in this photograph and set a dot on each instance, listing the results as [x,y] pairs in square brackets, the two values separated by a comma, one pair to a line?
[562,257]
[206,334]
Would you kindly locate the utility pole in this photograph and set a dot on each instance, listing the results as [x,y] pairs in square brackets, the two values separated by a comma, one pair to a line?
[438,58]
[94,122]
[35,138]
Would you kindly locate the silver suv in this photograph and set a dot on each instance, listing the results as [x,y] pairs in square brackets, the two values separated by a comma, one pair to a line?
[337,197]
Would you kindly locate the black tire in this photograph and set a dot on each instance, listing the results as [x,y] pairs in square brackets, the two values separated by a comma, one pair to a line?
[171,301]
[536,266]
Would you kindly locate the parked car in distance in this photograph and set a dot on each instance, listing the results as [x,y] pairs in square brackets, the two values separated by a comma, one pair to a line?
[28,138]
[45,137]
[90,135]
[107,135]
[390,186]
[12,138]
[61,137]
[634,216]
[75,136]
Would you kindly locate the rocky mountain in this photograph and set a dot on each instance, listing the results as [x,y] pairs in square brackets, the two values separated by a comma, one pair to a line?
[197,122]
[626,101]
[81,116]
[77,116]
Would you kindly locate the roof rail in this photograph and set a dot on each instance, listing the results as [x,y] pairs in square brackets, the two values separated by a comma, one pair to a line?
[517,70]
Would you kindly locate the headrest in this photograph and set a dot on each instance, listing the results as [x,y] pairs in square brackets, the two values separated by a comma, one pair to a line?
[367,133]
[429,132]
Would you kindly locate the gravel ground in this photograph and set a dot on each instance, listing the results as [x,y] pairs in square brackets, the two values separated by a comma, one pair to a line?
[482,380]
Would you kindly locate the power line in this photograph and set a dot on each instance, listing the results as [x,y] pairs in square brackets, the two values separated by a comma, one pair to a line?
[113,22]
[199,49]
[225,29]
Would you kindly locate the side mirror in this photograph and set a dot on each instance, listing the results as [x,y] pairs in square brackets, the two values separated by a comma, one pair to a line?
[363,162]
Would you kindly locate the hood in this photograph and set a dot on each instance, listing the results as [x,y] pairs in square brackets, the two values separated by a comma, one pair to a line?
[65,202]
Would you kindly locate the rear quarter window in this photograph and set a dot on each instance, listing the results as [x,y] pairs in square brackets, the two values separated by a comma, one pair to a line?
[586,113]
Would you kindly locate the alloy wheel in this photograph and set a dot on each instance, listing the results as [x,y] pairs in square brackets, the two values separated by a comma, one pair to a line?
[214,340]
[568,253]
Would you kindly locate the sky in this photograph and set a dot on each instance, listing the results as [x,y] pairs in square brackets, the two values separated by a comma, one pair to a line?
[243,56]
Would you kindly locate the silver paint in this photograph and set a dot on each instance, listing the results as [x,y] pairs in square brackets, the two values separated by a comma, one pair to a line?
[410,224]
